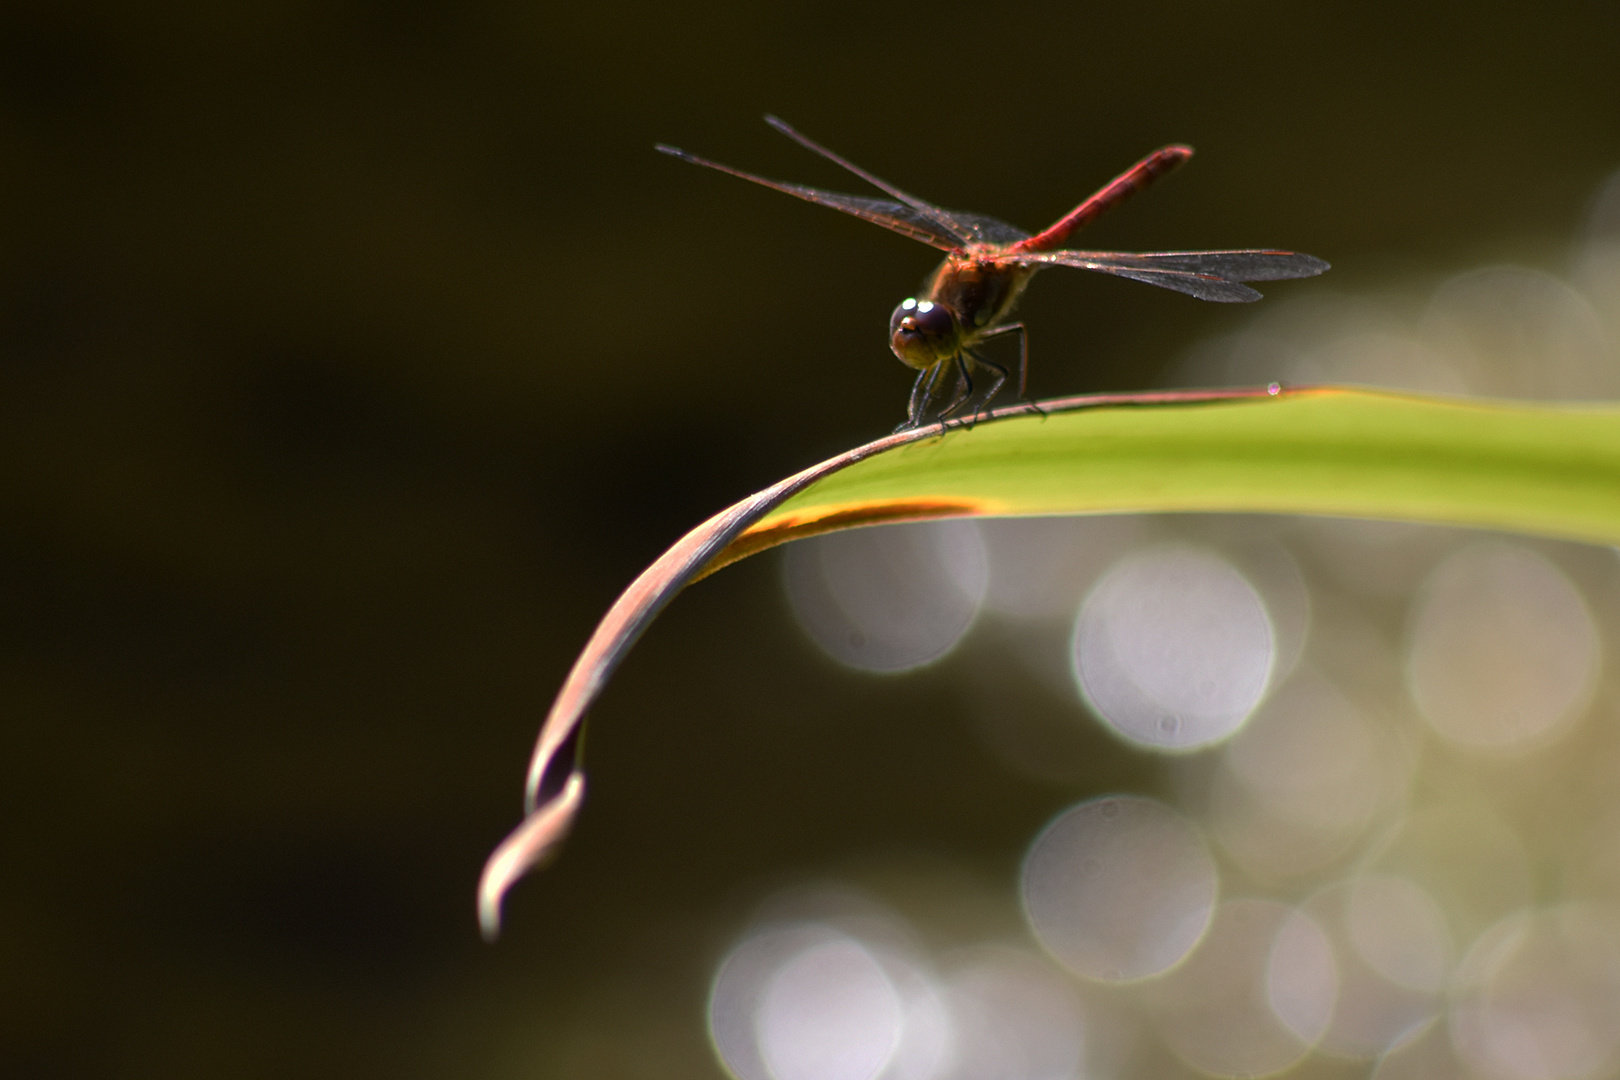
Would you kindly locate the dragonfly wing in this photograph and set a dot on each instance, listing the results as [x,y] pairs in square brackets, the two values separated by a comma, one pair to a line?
[988,230]
[1247,265]
[898,217]
[947,220]
[891,215]
[1208,275]
[1203,285]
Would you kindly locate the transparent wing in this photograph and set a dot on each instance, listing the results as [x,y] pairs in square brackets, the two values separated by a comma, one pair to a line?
[946,220]
[1208,275]
[899,217]
[987,230]
[1247,265]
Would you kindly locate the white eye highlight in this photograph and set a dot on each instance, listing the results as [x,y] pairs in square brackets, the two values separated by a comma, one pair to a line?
[907,304]
[925,306]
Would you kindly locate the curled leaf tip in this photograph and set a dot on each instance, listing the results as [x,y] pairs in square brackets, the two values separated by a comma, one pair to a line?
[1112,453]
[526,847]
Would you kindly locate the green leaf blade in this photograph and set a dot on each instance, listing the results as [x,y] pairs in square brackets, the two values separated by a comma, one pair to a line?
[1551,470]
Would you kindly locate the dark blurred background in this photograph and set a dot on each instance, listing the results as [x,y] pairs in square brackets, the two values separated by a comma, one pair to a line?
[353,356]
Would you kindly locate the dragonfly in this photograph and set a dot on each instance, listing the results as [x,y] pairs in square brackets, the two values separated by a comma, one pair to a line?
[970,297]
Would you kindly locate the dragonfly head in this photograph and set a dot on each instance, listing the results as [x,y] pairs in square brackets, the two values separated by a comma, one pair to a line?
[922,333]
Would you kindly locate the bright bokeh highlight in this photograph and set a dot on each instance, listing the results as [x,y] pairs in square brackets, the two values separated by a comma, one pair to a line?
[829,1013]
[1392,949]
[1173,648]
[1013,1018]
[1538,996]
[890,598]
[1302,977]
[1119,888]
[1216,1011]
[813,1001]
[1503,652]
[1303,781]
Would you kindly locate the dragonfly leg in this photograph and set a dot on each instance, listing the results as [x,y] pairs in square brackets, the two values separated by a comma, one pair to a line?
[921,391]
[964,392]
[995,387]
[1023,359]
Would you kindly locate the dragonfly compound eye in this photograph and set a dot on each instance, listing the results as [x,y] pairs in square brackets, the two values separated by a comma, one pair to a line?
[923,333]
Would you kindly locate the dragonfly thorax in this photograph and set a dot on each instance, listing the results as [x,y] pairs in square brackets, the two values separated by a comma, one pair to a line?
[923,333]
